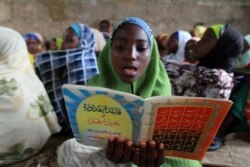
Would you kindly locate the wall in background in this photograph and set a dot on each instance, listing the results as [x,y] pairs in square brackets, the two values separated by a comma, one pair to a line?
[52,17]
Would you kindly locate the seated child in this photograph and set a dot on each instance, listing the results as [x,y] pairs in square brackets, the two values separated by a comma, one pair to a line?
[130,62]
[27,118]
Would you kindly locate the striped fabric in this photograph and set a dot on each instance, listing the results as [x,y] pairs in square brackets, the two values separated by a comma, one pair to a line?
[74,66]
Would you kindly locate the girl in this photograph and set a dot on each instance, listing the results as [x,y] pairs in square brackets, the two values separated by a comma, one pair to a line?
[130,62]
[176,46]
[219,48]
[74,65]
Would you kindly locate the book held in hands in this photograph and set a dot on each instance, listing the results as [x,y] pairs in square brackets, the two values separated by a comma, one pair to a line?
[186,125]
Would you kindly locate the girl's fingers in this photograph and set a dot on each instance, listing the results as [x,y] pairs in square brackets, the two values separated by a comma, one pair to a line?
[127,152]
[110,147]
[160,155]
[118,152]
[151,153]
[143,154]
[136,156]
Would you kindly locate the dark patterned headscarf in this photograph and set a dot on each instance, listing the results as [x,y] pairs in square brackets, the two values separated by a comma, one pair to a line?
[227,49]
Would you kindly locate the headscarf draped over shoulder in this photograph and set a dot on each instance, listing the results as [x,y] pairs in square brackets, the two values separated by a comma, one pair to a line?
[154,82]
[25,108]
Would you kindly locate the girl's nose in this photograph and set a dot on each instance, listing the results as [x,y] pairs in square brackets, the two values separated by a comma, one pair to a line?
[131,55]
[190,50]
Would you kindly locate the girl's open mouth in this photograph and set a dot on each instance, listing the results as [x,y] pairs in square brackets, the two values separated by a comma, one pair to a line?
[130,71]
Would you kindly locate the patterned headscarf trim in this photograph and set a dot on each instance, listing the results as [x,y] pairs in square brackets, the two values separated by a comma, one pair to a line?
[35,36]
[85,35]
[139,22]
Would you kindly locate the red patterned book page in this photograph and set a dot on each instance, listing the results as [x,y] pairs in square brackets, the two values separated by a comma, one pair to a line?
[187,125]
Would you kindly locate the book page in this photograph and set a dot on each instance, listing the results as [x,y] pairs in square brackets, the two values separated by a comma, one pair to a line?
[95,113]
[186,125]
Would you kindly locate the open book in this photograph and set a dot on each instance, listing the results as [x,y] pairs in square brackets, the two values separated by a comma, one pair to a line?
[186,125]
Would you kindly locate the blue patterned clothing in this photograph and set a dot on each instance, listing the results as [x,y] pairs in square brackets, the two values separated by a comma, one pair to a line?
[56,68]
[85,35]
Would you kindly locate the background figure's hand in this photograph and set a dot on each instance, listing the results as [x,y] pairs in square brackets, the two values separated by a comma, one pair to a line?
[148,154]
[119,149]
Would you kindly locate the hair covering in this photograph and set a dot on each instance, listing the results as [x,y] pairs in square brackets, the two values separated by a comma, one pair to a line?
[152,83]
[162,41]
[84,33]
[244,58]
[105,21]
[59,42]
[33,35]
[218,30]
[183,37]
[100,41]
[226,50]
[139,22]
[199,30]
[163,36]
[27,118]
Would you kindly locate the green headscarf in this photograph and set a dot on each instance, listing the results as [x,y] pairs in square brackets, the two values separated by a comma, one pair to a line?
[59,42]
[154,82]
[217,29]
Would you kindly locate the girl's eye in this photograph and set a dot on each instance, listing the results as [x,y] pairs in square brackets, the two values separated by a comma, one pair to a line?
[142,49]
[204,38]
[207,38]
[69,40]
[120,47]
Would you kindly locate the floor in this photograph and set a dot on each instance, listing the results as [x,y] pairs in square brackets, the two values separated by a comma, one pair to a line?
[234,153]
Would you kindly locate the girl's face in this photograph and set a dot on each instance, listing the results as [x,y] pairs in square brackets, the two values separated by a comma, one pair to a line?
[70,39]
[189,48]
[53,45]
[33,46]
[130,52]
[205,45]
[104,27]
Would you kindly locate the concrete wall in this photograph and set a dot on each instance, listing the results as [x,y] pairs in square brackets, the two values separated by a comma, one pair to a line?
[52,17]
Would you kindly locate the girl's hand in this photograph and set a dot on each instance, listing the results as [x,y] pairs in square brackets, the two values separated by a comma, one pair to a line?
[147,154]
[119,149]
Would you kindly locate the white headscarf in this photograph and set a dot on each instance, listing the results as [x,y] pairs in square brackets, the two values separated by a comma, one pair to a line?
[27,118]
[183,37]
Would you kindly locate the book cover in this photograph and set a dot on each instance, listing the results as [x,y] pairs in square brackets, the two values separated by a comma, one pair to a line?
[186,125]
[95,113]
